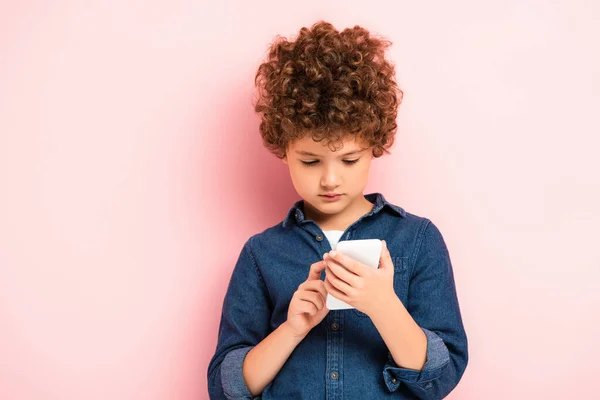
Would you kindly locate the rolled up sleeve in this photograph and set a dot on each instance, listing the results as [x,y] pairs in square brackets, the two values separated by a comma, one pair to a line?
[433,304]
[244,323]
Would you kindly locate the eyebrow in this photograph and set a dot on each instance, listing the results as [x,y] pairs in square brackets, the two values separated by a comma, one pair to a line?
[308,153]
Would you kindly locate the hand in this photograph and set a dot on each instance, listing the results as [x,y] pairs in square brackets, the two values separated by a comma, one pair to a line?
[307,307]
[359,285]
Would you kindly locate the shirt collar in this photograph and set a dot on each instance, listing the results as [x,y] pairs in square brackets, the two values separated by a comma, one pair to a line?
[376,198]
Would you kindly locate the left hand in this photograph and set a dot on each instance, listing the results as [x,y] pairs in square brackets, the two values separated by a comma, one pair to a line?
[366,289]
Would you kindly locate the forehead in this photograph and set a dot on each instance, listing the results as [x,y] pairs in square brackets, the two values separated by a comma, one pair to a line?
[347,143]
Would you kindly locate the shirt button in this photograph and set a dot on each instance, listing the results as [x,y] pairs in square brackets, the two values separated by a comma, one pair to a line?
[334,375]
[394,381]
[319,237]
[335,326]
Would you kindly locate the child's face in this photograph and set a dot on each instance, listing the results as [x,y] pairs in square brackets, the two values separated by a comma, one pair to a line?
[330,172]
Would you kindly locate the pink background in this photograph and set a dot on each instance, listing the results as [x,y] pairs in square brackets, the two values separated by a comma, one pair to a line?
[132,172]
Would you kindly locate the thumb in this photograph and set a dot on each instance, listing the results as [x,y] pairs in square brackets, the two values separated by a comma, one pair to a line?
[385,259]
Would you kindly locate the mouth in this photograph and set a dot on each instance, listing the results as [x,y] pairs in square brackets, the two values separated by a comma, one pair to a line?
[331,196]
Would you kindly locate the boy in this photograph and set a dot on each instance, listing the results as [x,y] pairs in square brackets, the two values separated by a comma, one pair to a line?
[404,339]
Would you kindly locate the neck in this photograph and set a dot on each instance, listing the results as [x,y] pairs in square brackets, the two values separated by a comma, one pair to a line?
[342,220]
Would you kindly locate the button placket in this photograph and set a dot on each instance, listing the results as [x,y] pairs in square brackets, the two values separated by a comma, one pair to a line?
[335,349]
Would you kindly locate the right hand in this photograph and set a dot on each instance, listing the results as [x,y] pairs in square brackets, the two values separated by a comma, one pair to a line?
[307,307]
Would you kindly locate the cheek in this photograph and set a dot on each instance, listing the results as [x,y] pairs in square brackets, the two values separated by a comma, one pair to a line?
[362,172]
[367,164]
[301,178]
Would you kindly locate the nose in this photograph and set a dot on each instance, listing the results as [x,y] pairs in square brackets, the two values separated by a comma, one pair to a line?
[330,178]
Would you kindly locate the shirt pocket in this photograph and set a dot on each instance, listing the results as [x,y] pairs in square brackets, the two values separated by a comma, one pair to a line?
[400,281]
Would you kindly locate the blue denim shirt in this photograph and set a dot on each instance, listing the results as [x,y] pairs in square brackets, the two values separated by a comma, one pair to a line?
[343,357]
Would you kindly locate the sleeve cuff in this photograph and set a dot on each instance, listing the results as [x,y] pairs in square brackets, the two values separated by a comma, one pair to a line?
[232,378]
[438,358]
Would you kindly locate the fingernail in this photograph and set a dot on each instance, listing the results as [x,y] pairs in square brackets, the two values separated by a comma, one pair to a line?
[333,253]
[325,255]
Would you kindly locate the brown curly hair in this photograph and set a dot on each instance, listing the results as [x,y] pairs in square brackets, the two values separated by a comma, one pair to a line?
[330,84]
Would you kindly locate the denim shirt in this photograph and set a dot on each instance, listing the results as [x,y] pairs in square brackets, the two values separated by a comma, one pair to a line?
[344,356]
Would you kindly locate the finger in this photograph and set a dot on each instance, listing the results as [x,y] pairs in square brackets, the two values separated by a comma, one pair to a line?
[338,283]
[349,263]
[334,292]
[311,285]
[315,270]
[385,259]
[314,297]
[323,291]
[307,307]
[315,286]
[342,273]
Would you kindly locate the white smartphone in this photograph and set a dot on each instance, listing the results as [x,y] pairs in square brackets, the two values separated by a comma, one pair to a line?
[366,251]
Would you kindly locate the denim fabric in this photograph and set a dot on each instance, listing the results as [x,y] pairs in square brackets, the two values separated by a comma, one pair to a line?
[350,360]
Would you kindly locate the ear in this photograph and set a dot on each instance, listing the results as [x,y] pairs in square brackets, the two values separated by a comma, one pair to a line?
[284,159]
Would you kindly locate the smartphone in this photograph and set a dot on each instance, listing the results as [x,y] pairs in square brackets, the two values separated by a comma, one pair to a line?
[366,251]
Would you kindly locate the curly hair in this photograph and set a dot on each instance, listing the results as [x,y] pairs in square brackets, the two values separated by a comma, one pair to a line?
[328,84]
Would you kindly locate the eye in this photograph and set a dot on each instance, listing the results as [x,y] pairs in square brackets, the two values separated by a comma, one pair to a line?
[310,162]
[349,162]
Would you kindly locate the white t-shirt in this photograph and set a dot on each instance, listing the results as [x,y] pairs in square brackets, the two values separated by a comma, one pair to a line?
[334,237]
